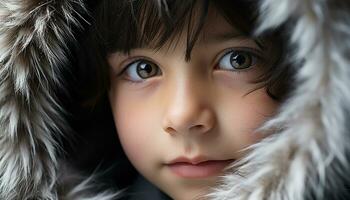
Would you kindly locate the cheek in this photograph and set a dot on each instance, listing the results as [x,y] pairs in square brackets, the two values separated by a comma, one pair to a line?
[130,135]
[243,116]
[133,126]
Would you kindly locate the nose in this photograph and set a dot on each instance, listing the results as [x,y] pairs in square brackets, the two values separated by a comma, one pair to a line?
[188,110]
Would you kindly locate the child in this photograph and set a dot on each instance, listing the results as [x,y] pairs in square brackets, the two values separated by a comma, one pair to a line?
[186,95]
[203,106]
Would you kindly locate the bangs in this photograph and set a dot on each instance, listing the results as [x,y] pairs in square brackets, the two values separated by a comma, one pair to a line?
[127,24]
[149,23]
[124,25]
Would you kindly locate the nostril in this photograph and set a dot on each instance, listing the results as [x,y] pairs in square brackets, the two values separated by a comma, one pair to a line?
[198,128]
[170,130]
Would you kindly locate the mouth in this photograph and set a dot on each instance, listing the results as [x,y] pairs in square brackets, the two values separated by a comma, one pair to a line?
[199,167]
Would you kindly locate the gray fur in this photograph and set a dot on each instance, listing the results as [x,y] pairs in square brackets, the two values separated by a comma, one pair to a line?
[33,38]
[305,156]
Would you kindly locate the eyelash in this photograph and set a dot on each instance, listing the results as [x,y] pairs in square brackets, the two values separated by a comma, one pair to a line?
[130,63]
[255,53]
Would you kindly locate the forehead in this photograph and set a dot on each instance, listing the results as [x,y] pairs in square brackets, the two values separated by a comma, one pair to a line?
[217,28]
[144,23]
[213,28]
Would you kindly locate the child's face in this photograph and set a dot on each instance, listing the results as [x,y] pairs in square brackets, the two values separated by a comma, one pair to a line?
[166,108]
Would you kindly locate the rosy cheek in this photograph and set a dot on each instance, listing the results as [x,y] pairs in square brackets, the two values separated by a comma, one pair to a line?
[242,116]
[128,125]
[130,141]
[135,130]
[260,108]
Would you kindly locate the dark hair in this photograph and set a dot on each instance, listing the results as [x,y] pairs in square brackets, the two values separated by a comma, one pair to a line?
[127,24]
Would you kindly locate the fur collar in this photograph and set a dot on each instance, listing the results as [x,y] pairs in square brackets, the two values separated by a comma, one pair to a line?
[306,158]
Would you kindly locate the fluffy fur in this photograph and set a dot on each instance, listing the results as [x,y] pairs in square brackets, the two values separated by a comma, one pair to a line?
[305,158]
[33,50]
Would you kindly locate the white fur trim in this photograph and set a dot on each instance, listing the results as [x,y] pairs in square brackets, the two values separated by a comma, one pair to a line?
[308,155]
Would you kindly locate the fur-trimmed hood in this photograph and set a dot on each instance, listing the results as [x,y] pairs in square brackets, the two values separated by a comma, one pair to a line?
[307,158]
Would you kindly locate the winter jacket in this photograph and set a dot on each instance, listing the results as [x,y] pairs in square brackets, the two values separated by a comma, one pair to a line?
[45,153]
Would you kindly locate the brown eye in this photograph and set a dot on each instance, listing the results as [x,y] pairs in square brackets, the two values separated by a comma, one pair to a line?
[236,60]
[142,69]
[240,60]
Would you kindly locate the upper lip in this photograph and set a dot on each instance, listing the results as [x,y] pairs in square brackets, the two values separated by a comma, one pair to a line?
[194,160]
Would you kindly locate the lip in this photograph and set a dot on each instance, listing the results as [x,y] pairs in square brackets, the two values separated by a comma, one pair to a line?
[194,161]
[198,167]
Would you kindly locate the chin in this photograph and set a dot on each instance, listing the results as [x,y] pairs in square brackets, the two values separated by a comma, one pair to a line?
[186,194]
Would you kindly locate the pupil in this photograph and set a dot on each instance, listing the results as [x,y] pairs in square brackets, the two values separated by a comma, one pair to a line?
[146,67]
[145,70]
[239,61]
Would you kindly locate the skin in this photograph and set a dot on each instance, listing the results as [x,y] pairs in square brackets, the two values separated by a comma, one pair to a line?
[190,108]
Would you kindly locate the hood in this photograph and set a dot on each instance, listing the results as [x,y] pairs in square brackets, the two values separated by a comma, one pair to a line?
[306,157]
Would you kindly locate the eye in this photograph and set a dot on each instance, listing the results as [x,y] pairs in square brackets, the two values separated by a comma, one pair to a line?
[141,69]
[236,60]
